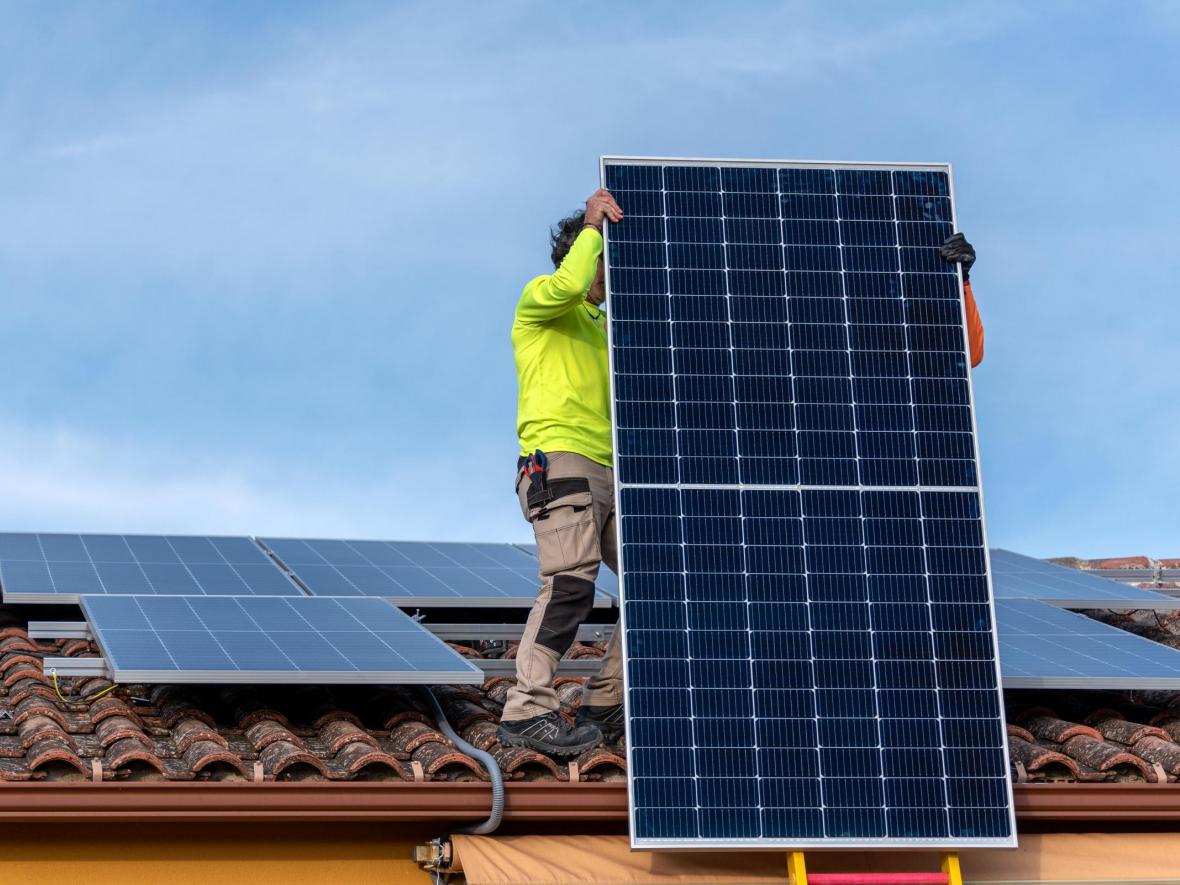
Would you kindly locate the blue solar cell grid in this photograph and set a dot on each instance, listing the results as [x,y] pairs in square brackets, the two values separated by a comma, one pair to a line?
[413,573]
[800,317]
[1042,646]
[1024,577]
[60,568]
[811,654]
[267,639]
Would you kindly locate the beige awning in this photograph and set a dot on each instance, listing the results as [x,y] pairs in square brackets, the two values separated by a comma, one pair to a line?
[1089,858]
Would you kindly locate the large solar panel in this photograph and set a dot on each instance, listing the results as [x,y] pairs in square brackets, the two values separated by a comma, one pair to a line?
[1042,646]
[60,568]
[804,568]
[266,639]
[1022,577]
[416,573]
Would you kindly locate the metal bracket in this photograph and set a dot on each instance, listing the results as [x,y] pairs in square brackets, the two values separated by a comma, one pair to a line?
[584,666]
[59,630]
[505,632]
[72,668]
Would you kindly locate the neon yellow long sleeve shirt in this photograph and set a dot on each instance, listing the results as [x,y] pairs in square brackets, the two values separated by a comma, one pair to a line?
[559,341]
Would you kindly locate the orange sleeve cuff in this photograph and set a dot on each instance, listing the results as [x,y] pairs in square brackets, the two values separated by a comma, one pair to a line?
[974,326]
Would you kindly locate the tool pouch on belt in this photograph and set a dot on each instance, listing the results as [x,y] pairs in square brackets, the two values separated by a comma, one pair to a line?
[563,522]
[573,491]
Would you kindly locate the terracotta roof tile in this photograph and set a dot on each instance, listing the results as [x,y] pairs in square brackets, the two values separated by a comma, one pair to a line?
[38,728]
[129,758]
[264,732]
[189,731]
[1056,730]
[413,733]
[1046,764]
[601,763]
[117,728]
[285,760]
[364,761]
[1101,756]
[1015,731]
[210,760]
[47,759]
[339,733]
[441,761]
[1164,752]
[11,770]
[333,715]
[1125,732]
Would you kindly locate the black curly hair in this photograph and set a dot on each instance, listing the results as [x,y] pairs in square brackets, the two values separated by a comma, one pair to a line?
[563,234]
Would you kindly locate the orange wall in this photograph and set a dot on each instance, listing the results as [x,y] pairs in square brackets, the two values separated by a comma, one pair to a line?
[211,854]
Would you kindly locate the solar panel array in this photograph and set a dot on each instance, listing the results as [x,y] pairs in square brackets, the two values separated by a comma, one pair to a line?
[1042,646]
[268,639]
[413,572]
[811,657]
[1023,577]
[60,568]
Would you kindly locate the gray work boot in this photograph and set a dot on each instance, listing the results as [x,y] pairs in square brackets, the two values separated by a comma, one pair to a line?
[549,734]
[609,720]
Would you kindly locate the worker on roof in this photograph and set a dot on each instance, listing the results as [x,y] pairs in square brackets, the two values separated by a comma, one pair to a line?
[564,480]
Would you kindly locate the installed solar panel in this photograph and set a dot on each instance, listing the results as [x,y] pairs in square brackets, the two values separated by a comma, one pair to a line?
[267,639]
[60,568]
[1044,647]
[1023,577]
[803,559]
[413,572]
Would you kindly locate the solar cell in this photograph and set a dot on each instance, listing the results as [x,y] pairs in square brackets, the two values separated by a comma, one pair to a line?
[266,639]
[1022,577]
[413,572]
[59,567]
[1042,646]
[799,511]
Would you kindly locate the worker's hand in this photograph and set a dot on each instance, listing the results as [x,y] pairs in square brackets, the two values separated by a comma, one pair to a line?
[602,205]
[957,250]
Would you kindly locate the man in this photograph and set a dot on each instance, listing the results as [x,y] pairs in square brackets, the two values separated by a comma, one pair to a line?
[559,340]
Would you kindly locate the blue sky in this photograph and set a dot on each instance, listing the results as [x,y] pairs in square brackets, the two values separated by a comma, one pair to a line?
[258,261]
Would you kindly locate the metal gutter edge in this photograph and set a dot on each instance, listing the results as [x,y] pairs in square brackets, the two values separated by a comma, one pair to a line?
[315,801]
[538,800]
[1097,802]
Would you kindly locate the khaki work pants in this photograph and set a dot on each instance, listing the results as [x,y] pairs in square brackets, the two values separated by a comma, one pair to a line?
[575,534]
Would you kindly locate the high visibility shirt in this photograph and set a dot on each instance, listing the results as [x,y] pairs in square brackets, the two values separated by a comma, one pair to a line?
[559,341]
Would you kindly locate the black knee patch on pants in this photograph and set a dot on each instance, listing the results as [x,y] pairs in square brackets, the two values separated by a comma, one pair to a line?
[570,603]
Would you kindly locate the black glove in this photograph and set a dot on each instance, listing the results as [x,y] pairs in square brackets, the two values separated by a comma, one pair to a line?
[957,250]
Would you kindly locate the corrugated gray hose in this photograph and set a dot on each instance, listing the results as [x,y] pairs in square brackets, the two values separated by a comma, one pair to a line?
[493,822]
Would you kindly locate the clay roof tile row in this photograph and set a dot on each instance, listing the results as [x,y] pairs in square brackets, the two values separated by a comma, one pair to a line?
[196,733]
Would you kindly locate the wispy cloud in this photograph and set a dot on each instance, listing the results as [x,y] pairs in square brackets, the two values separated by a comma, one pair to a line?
[57,479]
[97,144]
[369,139]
